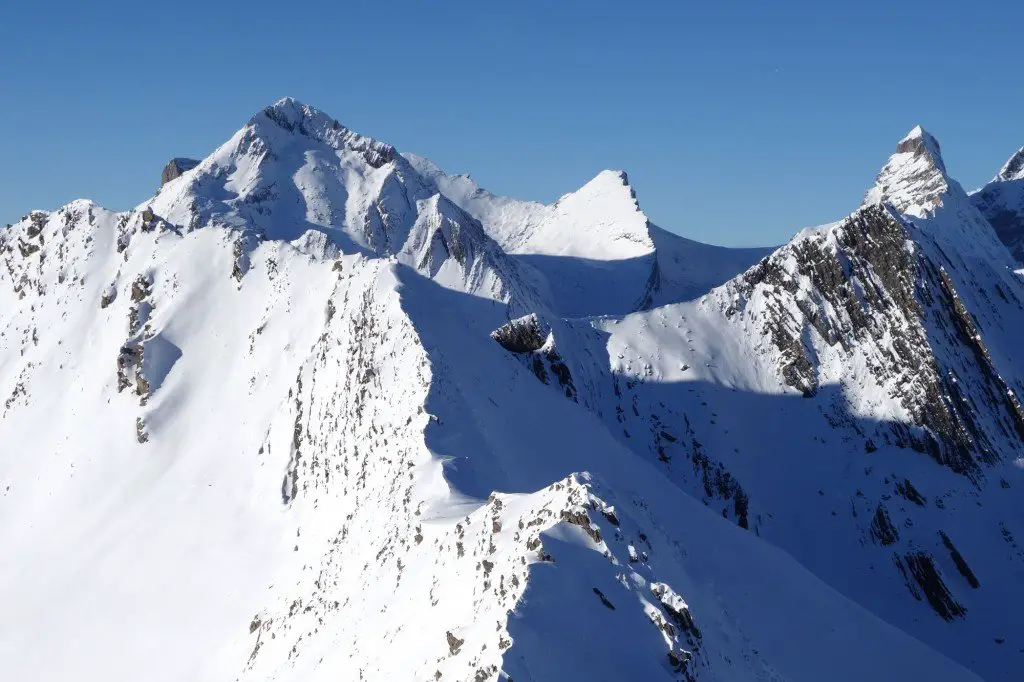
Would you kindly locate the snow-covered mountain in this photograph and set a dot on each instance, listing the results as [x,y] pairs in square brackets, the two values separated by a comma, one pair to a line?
[851,399]
[596,239]
[318,410]
[1001,201]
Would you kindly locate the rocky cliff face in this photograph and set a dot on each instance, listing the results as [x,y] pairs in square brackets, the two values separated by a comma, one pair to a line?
[317,411]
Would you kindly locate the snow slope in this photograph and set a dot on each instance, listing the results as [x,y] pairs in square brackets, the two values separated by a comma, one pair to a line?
[313,412]
[852,399]
[1002,203]
[294,172]
[596,239]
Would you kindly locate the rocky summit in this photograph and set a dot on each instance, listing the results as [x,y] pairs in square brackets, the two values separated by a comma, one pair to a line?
[318,410]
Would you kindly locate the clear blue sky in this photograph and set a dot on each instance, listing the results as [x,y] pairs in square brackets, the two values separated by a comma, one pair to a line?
[738,122]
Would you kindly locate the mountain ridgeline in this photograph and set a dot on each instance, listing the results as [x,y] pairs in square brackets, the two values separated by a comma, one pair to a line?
[318,410]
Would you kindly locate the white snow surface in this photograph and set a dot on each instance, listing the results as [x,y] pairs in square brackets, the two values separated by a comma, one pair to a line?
[914,180]
[596,239]
[258,429]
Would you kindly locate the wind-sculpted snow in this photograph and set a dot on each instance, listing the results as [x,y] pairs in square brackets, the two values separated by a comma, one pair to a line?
[308,414]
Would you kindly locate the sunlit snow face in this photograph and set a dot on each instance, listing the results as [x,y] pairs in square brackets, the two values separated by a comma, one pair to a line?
[294,361]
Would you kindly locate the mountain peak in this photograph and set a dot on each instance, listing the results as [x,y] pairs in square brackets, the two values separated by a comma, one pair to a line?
[1013,169]
[609,183]
[914,178]
[920,142]
[289,112]
[601,220]
[292,116]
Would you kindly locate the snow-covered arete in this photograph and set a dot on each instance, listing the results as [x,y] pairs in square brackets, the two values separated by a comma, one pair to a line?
[318,411]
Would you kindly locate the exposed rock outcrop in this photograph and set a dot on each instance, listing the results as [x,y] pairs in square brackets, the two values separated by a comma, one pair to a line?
[533,342]
[175,168]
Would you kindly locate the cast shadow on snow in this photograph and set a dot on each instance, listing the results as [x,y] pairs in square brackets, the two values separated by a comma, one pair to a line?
[750,422]
[620,284]
[281,190]
[1006,223]
[496,427]
[678,270]
[158,360]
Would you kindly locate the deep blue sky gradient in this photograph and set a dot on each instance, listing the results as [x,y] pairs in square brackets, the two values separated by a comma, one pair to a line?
[738,122]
